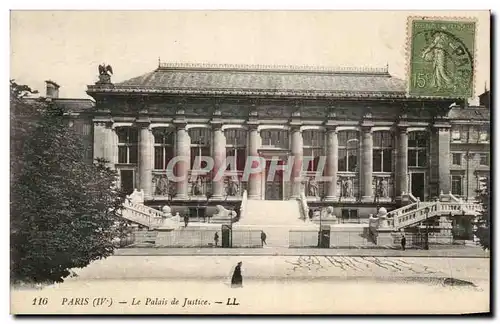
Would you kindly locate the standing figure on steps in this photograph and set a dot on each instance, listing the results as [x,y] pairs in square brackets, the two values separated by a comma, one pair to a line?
[263,237]
[237,279]
[403,242]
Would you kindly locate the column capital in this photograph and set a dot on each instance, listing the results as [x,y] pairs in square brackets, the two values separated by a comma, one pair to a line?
[253,126]
[402,127]
[331,123]
[367,124]
[103,121]
[367,129]
[180,125]
[331,129]
[441,127]
[216,125]
[143,122]
[295,128]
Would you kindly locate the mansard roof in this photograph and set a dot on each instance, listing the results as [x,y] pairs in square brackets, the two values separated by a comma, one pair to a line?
[306,81]
[469,113]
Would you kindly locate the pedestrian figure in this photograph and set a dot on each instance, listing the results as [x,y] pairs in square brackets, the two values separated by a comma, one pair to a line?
[311,213]
[237,279]
[216,239]
[403,242]
[186,220]
[263,237]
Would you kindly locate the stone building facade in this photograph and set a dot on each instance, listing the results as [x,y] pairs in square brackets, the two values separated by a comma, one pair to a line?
[379,144]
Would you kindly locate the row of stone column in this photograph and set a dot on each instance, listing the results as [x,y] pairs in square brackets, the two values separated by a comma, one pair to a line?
[183,149]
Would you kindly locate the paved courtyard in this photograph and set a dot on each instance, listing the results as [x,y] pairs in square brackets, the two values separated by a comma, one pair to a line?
[278,284]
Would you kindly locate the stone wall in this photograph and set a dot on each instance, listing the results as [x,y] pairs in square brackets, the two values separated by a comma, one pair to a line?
[194,237]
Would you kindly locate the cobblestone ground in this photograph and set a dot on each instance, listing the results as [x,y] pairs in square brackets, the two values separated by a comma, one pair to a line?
[282,267]
[303,284]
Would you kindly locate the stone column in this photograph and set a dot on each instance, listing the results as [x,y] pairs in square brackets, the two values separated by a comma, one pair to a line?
[402,164]
[297,153]
[332,155]
[254,180]
[219,155]
[145,158]
[444,158]
[367,165]
[112,147]
[104,141]
[183,151]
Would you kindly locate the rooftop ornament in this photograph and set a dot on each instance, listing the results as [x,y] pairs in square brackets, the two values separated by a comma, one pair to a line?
[282,68]
[105,72]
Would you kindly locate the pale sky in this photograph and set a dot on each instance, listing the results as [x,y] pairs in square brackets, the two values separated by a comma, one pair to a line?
[68,46]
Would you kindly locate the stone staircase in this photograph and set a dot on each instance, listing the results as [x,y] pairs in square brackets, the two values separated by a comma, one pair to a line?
[272,212]
[136,212]
[415,213]
[276,218]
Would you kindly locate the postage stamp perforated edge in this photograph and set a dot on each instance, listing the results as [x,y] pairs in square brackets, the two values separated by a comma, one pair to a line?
[408,46]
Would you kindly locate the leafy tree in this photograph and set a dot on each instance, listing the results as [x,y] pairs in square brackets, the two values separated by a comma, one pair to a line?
[64,212]
[483,222]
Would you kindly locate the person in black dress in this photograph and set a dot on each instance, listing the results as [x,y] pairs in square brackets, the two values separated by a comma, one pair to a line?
[263,238]
[237,279]
[216,239]
[403,242]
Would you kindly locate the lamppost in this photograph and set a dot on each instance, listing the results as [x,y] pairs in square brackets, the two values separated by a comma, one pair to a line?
[426,243]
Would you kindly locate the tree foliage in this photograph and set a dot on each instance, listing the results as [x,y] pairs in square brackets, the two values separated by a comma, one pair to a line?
[483,222]
[64,211]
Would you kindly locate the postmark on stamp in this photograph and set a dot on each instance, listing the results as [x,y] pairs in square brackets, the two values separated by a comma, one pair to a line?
[441,58]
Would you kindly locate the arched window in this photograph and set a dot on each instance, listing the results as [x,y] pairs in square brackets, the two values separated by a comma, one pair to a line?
[418,143]
[164,147]
[274,138]
[127,145]
[314,141]
[200,144]
[348,151]
[383,144]
[236,142]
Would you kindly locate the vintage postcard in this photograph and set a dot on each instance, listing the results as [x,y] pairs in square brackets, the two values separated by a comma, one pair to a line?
[250,162]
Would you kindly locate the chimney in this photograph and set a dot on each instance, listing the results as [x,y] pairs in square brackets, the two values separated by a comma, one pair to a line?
[52,89]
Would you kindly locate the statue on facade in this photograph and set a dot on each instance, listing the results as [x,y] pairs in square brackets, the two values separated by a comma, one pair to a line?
[313,187]
[347,187]
[105,72]
[384,188]
[161,186]
[198,187]
[232,187]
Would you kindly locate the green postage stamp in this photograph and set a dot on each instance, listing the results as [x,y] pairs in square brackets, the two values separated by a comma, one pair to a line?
[441,58]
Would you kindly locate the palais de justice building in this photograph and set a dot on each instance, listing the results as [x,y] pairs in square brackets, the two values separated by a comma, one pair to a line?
[382,147]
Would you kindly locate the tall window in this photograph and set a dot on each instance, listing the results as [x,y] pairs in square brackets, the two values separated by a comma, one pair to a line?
[274,137]
[236,142]
[456,132]
[418,143]
[348,151]
[456,185]
[314,141]
[484,159]
[200,144]
[456,158]
[382,151]
[484,134]
[164,147]
[127,144]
